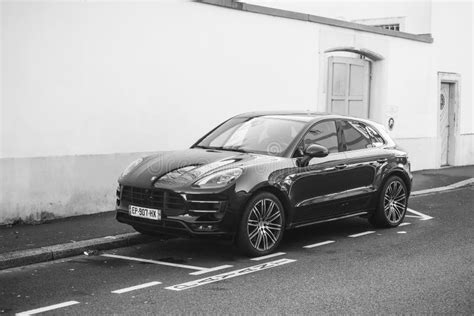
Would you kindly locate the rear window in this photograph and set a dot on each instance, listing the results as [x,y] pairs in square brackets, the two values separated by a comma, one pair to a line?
[356,136]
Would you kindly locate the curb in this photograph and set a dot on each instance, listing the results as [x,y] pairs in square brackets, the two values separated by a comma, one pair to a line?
[49,253]
[445,188]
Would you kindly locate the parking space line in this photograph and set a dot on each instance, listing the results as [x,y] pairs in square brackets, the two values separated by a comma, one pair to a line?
[47,308]
[212,269]
[319,244]
[404,224]
[164,263]
[361,234]
[136,287]
[421,216]
[228,275]
[268,256]
[202,270]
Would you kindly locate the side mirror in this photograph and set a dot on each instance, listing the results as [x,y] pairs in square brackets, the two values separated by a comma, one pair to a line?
[313,151]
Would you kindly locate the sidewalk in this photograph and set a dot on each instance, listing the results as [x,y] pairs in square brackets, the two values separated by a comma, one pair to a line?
[70,236]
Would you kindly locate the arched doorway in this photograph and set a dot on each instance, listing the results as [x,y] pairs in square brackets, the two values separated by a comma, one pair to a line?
[348,89]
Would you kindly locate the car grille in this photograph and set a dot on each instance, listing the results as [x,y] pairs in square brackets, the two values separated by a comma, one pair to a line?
[169,202]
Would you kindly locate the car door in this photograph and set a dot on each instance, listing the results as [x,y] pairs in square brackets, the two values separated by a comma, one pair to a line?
[316,187]
[365,157]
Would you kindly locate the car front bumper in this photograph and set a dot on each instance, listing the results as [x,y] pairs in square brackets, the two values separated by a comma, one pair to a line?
[182,213]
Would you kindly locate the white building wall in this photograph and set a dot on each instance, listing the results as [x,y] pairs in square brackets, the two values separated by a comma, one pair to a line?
[85,80]
[416,14]
[452,26]
[95,78]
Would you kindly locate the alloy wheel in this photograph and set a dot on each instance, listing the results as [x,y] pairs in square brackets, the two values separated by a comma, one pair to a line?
[394,203]
[264,224]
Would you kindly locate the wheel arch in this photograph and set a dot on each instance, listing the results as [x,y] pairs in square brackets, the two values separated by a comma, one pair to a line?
[402,175]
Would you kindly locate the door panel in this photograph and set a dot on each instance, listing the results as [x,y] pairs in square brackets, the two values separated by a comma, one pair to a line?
[348,86]
[364,163]
[444,122]
[363,167]
[317,186]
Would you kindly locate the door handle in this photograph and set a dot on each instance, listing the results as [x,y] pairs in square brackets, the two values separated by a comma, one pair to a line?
[341,166]
[382,160]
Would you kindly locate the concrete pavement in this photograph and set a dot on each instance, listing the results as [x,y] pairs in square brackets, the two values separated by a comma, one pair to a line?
[28,244]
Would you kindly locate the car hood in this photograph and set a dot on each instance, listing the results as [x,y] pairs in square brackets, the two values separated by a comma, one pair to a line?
[182,168]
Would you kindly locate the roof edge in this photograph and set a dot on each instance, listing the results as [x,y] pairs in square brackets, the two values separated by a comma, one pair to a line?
[242,6]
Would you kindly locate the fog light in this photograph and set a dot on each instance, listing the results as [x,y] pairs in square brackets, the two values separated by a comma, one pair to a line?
[205,228]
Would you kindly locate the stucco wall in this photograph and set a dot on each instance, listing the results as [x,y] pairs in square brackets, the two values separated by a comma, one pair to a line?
[95,78]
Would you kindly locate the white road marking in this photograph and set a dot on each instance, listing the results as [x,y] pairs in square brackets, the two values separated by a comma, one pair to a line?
[402,232]
[212,269]
[319,244]
[170,264]
[228,275]
[404,224]
[268,256]
[445,188]
[362,234]
[47,308]
[136,287]
[421,216]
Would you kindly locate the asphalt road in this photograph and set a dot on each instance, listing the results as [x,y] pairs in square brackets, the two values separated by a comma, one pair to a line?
[422,267]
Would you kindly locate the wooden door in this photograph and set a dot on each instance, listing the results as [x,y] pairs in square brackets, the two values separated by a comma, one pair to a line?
[445,122]
[349,86]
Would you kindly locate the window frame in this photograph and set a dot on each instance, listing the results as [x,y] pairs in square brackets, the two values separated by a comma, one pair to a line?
[344,145]
[300,142]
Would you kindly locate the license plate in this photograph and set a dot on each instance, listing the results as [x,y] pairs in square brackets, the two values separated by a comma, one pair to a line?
[144,212]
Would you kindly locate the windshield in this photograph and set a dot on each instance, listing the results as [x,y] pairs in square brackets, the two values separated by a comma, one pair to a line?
[263,134]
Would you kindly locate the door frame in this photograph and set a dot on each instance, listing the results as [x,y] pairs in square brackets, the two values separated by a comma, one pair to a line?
[454,80]
[347,60]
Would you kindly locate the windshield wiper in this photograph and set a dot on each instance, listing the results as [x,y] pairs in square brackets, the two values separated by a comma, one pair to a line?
[237,149]
[230,149]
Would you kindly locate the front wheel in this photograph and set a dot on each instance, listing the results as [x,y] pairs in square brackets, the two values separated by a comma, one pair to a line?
[262,225]
[392,204]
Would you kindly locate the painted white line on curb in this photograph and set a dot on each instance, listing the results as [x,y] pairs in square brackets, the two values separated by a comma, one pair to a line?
[402,232]
[228,275]
[319,244]
[445,188]
[269,256]
[47,308]
[212,269]
[164,263]
[421,216]
[362,234]
[404,224]
[136,287]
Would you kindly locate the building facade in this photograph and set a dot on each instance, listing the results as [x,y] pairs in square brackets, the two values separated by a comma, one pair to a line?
[89,86]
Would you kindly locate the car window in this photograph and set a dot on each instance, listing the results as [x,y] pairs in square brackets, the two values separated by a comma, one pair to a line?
[324,134]
[355,135]
[377,140]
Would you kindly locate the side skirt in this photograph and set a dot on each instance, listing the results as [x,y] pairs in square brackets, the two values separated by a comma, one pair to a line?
[329,219]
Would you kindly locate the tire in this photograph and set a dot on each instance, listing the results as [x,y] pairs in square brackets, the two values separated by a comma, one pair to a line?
[392,204]
[262,225]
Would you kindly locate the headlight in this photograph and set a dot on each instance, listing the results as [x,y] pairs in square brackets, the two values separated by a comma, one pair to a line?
[131,167]
[219,179]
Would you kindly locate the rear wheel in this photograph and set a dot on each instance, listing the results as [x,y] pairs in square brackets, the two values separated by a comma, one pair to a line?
[262,225]
[392,204]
